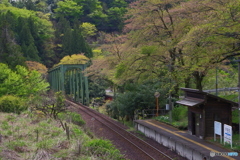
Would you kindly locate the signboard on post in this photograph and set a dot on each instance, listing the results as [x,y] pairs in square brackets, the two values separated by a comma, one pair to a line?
[228,134]
[218,130]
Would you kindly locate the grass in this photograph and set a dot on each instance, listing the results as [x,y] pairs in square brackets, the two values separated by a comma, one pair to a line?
[181,124]
[179,118]
[32,137]
[235,143]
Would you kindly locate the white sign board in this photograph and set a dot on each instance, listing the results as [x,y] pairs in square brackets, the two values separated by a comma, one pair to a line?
[218,128]
[228,134]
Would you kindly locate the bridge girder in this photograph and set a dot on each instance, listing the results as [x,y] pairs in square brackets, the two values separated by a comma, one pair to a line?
[70,79]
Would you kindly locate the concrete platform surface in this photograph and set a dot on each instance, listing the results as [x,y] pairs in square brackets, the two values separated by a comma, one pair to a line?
[191,141]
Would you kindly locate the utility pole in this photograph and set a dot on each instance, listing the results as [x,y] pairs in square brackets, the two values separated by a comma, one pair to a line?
[170,107]
[157,94]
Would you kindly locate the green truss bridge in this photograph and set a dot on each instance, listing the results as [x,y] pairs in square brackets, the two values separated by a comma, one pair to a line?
[70,79]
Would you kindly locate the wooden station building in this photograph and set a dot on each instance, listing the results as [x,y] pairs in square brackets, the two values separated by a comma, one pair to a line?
[204,109]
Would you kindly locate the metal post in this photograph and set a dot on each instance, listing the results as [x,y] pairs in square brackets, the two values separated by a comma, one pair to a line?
[55,80]
[157,94]
[86,90]
[74,84]
[77,85]
[81,85]
[61,77]
[170,108]
[74,81]
[70,82]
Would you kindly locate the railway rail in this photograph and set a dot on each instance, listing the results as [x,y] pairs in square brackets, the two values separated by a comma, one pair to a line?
[143,149]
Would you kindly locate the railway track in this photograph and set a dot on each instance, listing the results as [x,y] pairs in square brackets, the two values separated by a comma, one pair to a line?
[141,148]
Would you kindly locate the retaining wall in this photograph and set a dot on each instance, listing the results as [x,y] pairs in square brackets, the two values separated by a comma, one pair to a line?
[174,144]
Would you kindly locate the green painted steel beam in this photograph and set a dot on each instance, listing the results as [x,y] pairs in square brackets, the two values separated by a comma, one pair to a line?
[86,88]
[81,87]
[70,78]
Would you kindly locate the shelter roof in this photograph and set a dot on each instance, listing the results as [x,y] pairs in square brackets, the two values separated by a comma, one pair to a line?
[194,97]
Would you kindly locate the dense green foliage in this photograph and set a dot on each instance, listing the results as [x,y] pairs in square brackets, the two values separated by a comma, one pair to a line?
[179,113]
[137,41]
[105,15]
[70,39]
[235,116]
[11,104]
[161,40]
[30,33]
[103,148]
[20,82]
[136,97]
[96,89]
[179,118]
[17,85]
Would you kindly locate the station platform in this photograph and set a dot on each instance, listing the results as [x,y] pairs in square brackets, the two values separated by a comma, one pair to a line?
[182,142]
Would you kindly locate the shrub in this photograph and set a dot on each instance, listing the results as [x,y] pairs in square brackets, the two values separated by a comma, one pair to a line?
[99,146]
[180,125]
[21,81]
[50,104]
[235,118]
[77,132]
[76,118]
[179,113]
[103,148]
[73,117]
[9,103]
[163,118]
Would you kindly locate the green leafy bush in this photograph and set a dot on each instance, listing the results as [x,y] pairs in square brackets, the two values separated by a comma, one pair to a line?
[9,103]
[163,118]
[181,125]
[49,103]
[179,113]
[103,148]
[137,97]
[235,116]
[179,118]
[77,132]
[76,118]
[20,81]
[72,116]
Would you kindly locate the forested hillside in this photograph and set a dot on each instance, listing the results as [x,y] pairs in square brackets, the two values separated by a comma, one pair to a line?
[163,44]
[46,31]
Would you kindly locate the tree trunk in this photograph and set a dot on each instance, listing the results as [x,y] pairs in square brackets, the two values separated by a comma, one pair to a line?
[187,82]
[198,79]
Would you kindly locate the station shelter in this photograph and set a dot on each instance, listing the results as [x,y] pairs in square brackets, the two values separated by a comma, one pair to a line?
[204,109]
